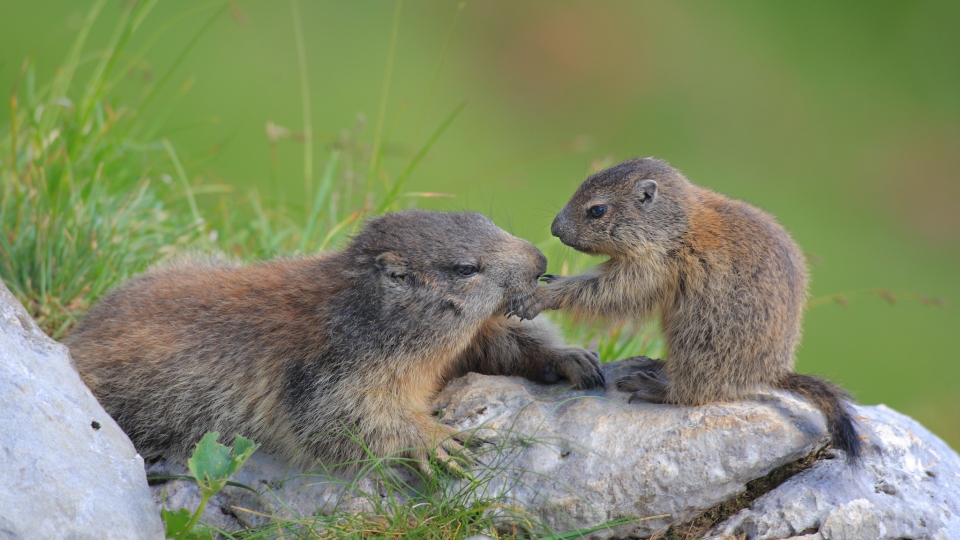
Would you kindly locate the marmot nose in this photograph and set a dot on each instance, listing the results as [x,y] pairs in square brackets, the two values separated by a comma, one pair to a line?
[560,225]
[533,266]
[541,264]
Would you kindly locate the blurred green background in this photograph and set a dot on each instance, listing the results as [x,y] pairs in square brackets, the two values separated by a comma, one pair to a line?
[840,118]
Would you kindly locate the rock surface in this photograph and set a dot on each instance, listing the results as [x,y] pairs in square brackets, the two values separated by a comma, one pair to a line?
[62,476]
[908,486]
[577,459]
[574,459]
[601,459]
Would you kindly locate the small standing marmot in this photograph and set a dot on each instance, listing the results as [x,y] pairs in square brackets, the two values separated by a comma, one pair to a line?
[727,281]
[293,352]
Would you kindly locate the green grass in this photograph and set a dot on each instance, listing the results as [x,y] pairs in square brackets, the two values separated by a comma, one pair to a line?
[91,196]
[83,206]
[89,200]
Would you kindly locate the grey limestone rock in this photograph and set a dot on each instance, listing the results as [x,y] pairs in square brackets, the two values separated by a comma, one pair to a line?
[575,459]
[595,458]
[68,471]
[908,486]
[578,459]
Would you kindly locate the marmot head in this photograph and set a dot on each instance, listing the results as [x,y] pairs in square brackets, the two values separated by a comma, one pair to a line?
[625,210]
[445,266]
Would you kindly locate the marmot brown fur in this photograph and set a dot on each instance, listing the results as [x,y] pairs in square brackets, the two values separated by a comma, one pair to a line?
[727,281]
[293,352]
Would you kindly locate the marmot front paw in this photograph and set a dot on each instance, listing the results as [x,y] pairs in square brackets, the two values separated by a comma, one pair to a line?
[581,367]
[529,306]
[445,447]
[521,308]
[525,308]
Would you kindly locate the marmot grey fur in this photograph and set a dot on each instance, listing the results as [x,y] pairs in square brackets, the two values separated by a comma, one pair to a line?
[727,281]
[293,352]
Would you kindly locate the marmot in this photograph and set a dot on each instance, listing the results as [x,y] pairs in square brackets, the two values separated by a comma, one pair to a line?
[293,352]
[727,281]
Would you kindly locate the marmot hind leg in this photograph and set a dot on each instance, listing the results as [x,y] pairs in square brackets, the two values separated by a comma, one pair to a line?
[648,382]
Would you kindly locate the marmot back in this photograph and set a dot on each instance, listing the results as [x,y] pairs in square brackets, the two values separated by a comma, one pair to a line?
[728,282]
[294,352]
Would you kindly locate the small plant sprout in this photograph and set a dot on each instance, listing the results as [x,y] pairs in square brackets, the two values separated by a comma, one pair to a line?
[212,465]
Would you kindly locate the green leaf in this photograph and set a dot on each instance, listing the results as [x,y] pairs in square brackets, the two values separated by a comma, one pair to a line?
[198,532]
[243,448]
[178,522]
[212,463]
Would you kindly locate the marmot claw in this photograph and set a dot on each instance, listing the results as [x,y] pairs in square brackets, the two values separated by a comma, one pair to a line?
[525,307]
[549,278]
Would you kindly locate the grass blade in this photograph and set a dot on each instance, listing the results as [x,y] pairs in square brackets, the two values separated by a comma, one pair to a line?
[336,230]
[95,86]
[61,83]
[436,73]
[182,56]
[319,202]
[398,185]
[378,133]
[139,57]
[182,175]
[304,100]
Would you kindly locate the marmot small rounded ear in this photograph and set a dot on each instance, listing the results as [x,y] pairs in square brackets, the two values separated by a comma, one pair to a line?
[392,265]
[647,191]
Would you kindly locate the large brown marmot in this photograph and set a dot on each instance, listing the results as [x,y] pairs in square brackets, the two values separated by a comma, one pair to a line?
[726,280]
[294,352]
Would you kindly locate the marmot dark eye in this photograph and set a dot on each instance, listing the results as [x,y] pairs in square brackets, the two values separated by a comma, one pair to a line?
[597,211]
[467,270]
